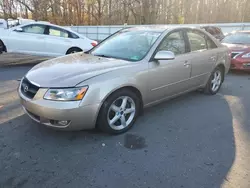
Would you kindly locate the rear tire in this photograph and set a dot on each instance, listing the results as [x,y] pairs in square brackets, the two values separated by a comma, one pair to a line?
[214,82]
[2,47]
[73,50]
[119,112]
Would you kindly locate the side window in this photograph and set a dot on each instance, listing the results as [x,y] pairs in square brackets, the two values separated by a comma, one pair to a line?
[210,44]
[197,41]
[211,30]
[53,31]
[217,31]
[35,29]
[174,42]
[73,35]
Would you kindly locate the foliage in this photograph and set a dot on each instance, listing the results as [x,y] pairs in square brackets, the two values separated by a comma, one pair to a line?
[93,12]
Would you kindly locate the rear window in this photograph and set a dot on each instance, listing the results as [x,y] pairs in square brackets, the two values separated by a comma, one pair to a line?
[73,35]
[218,31]
[213,30]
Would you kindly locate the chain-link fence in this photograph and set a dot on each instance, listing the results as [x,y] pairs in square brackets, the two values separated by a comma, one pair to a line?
[101,32]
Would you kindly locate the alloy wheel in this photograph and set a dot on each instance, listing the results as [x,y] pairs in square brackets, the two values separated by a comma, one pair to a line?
[121,113]
[216,81]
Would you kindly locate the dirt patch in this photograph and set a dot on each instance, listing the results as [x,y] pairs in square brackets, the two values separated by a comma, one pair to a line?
[12,59]
[133,142]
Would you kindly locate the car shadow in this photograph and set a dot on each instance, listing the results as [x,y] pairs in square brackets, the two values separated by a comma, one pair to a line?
[199,136]
[185,142]
[238,90]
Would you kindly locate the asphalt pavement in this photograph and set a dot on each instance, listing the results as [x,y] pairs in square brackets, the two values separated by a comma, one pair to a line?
[193,141]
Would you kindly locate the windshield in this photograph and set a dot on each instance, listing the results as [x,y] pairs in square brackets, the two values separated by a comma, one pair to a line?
[127,45]
[237,38]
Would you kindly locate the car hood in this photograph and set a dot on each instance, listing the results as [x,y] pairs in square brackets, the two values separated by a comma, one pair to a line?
[238,47]
[69,71]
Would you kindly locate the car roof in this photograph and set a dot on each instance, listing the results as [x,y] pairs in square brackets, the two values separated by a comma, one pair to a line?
[158,28]
[244,31]
[50,24]
[209,26]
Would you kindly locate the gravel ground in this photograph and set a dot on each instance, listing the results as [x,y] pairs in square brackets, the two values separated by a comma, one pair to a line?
[193,141]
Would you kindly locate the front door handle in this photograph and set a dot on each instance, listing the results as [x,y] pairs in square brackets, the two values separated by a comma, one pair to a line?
[186,64]
[213,58]
[40,37]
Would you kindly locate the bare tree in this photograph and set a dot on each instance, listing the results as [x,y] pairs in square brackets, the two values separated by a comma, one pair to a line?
[93,12]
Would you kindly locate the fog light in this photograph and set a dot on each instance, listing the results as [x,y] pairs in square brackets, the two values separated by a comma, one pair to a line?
[64,123]
[59,123]
[246,64]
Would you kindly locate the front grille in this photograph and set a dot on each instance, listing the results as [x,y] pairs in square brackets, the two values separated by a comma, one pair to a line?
[233,54]
[28,89]
[246,65]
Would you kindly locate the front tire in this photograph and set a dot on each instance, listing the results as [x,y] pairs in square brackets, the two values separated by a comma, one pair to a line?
[215,81]
[119,112]
[73,50]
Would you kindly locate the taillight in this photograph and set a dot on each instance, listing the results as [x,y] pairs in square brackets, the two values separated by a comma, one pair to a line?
[93,44]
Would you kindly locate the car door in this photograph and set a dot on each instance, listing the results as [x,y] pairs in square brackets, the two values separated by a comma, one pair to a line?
[203,56]
[170,77]
[58,40]
[28,39]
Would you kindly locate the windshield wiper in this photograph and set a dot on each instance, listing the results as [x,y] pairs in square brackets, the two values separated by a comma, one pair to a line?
[102,55]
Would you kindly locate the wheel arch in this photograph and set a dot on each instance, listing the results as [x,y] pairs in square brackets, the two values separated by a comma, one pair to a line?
[73,47]
[128,87]
[4,46]
[223,68]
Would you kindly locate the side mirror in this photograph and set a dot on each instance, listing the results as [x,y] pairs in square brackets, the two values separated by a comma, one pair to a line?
[164,55]
[19,29]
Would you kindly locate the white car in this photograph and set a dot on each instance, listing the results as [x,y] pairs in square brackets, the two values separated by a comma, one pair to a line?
[41,38]
[3,24]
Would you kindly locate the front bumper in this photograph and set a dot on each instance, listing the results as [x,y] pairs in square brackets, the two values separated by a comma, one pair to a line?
[49,112]
[240,64]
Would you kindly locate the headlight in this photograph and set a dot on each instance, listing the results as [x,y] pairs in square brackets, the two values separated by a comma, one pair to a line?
[246,55]
[68,94]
